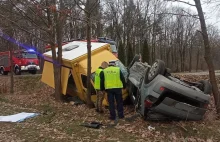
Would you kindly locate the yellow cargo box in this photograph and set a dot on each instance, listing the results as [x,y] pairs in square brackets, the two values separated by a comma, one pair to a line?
[74,68]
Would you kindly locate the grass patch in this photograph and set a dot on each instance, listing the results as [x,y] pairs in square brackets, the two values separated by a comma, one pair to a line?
[47,115]
[3,99]
[28,83]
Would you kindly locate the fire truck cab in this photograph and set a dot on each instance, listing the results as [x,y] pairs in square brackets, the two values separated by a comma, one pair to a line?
[23,61]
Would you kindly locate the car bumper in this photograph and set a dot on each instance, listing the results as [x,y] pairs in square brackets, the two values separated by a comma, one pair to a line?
[30,67]
[180,110]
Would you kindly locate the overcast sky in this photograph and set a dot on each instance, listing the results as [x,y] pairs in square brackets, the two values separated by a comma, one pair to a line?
[212,13]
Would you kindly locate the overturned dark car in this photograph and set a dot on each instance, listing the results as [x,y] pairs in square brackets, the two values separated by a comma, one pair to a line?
[157,95]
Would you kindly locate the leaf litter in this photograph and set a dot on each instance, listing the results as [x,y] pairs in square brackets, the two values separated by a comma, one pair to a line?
[59,121]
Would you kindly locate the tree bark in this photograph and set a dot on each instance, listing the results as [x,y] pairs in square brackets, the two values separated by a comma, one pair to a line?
[88,34]
[197,60]
[208,56]
[57,71]
[54,26]
[190,60]
[10,46]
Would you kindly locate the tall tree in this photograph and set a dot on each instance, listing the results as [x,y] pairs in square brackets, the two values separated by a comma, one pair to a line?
[130,52]
[146,52]
[121,52]
[90,6]
[208,55]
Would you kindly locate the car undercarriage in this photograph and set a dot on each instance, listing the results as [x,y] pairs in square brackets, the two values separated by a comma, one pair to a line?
[158,95]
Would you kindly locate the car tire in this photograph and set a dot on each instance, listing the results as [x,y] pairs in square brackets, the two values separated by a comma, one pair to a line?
[135,59]
[17,71]
[33,72]
[1,71]
[158,67]
[206,86]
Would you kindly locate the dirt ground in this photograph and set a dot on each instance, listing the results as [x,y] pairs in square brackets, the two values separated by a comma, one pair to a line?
[60,121]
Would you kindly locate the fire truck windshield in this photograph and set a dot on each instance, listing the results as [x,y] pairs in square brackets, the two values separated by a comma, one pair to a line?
[29,55]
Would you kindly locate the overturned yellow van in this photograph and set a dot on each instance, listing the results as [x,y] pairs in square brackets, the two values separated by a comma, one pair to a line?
[74,68]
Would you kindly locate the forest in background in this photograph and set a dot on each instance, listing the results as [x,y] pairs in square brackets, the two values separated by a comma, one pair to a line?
[151,28]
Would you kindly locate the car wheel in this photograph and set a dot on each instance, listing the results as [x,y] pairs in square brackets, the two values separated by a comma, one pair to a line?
[17,71]
[1,71]
[206,86]
[158,67]
[135,59]
[33,72]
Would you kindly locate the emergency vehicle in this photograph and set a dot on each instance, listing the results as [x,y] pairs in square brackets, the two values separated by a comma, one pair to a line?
[23,61]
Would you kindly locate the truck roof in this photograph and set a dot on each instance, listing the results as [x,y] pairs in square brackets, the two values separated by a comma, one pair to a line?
[76,49]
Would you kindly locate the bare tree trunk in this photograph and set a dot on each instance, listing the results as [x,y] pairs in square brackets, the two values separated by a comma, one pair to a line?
[71,30]
[88,33]
[59,33]
[190,60]
[197,60]
[10,46]
[184,58]
[56,58]
[208,56]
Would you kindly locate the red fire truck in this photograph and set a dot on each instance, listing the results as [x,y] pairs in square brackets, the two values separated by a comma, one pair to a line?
[23,61]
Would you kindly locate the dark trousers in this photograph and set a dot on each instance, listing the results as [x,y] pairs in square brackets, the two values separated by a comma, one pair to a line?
[115,94]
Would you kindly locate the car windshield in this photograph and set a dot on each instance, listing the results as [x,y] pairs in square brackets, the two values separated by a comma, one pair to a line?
[114,49]
[29,55]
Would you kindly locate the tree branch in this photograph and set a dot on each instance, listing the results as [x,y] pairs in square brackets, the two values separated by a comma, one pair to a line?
[80,6]
[95,4]
[181,2]
[22,28]
[190,13]
[25,15]
[194,16]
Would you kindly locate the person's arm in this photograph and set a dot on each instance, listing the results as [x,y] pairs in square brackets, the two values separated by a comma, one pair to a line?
[122,80]
[102,81]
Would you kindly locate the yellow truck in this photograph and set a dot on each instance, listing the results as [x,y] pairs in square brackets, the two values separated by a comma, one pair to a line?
[74,68]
